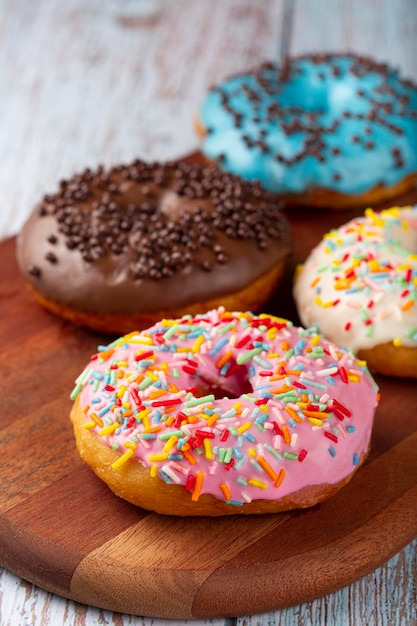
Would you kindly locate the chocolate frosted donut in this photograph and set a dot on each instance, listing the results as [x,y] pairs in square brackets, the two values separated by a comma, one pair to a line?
[321,130]
[121,248]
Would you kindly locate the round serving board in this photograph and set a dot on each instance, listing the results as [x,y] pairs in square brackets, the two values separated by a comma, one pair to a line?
[62,529]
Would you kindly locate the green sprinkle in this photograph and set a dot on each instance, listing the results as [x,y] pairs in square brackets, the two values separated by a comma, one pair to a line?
[74,393]
[247,356]
[202,400]
[146,382]
[290,456]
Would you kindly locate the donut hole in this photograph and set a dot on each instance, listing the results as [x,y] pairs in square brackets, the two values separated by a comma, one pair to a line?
[232,386]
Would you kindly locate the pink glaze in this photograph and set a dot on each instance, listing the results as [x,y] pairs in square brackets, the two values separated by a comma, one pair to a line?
[239,406]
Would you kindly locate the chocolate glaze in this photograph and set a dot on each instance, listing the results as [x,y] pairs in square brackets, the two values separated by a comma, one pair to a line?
[150,237]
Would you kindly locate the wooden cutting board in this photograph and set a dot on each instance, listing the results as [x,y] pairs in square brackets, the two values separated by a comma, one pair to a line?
[62,529]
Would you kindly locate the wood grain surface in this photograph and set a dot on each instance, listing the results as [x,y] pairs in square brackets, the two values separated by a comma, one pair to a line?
[87,81]
[63,530]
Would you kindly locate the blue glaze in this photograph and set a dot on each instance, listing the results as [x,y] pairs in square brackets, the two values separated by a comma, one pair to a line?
[313,88]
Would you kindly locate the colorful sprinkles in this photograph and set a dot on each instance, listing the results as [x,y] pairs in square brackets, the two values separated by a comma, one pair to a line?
[283,419]
[361,281]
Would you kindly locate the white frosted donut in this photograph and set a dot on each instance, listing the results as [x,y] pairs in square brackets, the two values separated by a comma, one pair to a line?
[359,285]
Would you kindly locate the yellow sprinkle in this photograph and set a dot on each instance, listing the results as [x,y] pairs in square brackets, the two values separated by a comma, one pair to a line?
[122,459]
[257,483]
[161,456]
[89,425]
[108,430]
[271,332]
[244,427]
[315,421]
[314,340]
[197,345]
[130,445]
[252,452]
[142,414]
[154,471]
[397,342]
[226,491]
[143,339]
[170,443]
[207,448]
[121,391]
[126,405]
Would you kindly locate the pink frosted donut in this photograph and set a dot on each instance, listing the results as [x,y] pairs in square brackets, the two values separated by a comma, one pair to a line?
[224,413]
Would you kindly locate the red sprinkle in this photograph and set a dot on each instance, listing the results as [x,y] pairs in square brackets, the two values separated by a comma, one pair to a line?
[229,465]
[109,388]
[135,396]
[204,433]
[242,341]
[190,482]
[277,428]
[261,401]
[169,402]
[144,356]
[343,374]
[131,422]
[331,436]
[302,455]
[189,370]
[224,435]
[341,407]
[299,385]
[179,418]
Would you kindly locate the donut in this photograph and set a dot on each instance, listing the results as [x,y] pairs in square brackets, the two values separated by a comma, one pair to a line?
[224,413]
[359,284]
[324,130]
[122,248]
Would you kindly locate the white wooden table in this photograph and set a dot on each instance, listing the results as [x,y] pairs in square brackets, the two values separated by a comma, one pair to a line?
[84,82]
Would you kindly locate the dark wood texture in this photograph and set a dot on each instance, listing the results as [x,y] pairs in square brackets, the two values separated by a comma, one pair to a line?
[62,529]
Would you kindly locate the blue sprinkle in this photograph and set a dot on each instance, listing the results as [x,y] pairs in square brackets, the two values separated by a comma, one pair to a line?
[105,409]
[355,458]
[332,451]
[225,368]
[234,502]
[249,437]
[350,429]
[165,477]
[218,346]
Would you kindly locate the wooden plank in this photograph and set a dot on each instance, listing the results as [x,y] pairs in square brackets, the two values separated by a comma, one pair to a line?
[147,564]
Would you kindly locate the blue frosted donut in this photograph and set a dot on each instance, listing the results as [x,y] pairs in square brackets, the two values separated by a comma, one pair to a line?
[331,130]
